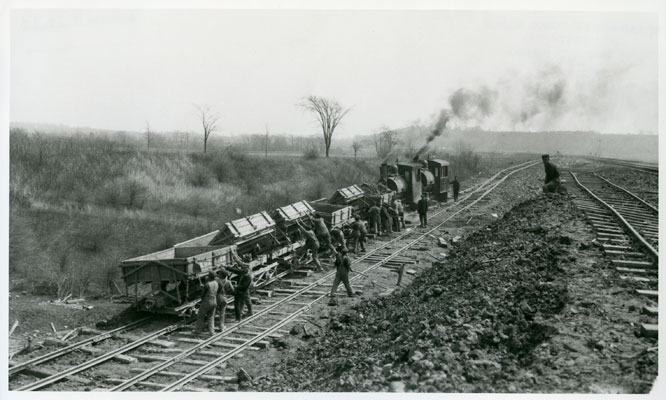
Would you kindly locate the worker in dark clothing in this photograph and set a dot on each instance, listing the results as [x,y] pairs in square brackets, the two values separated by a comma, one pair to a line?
[395,218]
[311,243]
[323,235]
[397,203]
[385,217]
[224,288]
[358,234]
[206,312]
[422,208]
[374,219]
[338,237]
[456,188]
[552,182]
[342,268]
[242,293]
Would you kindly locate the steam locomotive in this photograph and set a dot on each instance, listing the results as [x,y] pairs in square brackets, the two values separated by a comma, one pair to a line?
[410,180]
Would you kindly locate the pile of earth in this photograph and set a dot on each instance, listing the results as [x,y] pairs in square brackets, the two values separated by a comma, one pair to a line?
[467,325]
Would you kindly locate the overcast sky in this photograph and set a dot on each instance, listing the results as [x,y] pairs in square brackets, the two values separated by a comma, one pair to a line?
[116,69]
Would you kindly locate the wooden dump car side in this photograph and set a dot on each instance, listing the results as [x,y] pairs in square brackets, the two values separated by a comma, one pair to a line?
[185,261]
[334,215]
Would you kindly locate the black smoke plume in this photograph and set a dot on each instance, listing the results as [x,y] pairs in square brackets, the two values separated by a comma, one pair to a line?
[437,129]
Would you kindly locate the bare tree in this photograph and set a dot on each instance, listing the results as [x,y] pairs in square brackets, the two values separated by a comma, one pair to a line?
[410,148]
[356,146]
[208,121]
[329,113]
[148,134]
[266,143]
[385,140]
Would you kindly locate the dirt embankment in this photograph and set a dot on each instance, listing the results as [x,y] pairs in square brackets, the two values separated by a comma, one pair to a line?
[526,305]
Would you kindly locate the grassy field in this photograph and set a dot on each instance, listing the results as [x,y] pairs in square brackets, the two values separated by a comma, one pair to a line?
[80,205]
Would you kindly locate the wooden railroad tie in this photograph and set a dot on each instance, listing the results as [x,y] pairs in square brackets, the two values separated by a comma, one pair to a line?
[653,294]
[636,270]
[45,373]
[634,264]
[650,330]
[149,385]
[633,254]
[210,378]
[214,344]
[651,311]
[261,344]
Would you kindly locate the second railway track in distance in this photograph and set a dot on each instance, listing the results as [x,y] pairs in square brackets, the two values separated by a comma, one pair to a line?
[175,359]
[628,229]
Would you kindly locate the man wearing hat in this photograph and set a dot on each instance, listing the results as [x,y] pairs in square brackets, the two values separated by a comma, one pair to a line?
[456,188]
[552,180]
[207,306]
[358,234]
[323,235]
[225,288]
[386,219]
[242,292]
[374,219]
[338,236]
[311,243]
[342,268]
[422,208]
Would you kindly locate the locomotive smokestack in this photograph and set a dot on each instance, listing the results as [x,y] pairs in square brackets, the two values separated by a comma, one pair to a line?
[383,170]
[418,153]
[437,130]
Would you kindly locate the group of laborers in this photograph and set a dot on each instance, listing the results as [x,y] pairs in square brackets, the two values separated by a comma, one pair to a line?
[383,220]
[215,291]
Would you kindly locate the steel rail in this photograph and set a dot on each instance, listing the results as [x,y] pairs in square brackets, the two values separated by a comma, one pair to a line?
[654,254]
[649,168]
[98,360]
[201,371]
[653,208]
[238,349]
[65,350]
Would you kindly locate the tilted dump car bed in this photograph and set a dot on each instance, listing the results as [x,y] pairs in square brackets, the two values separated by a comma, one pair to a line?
[334,215]
[347,196]
[245,229]
[178,267]
[184,261]
[287,216]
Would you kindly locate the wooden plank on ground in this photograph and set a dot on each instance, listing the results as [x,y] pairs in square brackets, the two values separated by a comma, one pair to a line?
[650,330]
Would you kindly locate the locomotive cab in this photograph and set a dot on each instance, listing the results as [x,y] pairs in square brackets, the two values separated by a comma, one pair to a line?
[440,171]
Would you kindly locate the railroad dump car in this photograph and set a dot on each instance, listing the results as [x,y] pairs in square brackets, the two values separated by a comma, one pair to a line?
[174,273]
[254,234]
[335,215]
[349,196]
[287,216]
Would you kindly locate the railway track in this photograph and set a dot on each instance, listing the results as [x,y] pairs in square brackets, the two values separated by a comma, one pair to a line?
[640,166]
[627,228]
[178,359]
